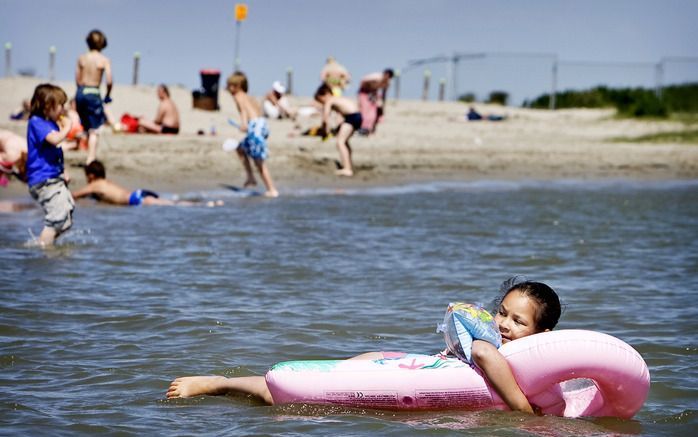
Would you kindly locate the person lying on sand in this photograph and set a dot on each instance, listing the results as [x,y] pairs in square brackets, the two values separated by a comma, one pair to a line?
[104,190]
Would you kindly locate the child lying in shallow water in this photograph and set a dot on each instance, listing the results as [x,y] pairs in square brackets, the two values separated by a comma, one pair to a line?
[525,308]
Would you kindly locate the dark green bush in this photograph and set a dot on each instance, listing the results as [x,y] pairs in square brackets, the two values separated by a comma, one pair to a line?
[499,97]
[467,98]
[634,102]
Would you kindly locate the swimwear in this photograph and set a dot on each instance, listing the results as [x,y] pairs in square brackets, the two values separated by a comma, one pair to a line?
[354,120]
[169,130]
[137,197]
[255,143]
[89,106]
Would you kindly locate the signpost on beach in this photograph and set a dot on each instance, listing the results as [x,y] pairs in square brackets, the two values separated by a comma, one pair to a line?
[240,16]
[136,62]
[8,59]
[52,63]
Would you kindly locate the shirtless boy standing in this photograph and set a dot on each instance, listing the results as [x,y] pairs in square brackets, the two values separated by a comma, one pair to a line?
[351,123]
[91,67]
[13,157]
[254,145]
[167,118]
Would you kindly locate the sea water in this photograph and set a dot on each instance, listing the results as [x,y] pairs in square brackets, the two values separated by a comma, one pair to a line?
[93,331]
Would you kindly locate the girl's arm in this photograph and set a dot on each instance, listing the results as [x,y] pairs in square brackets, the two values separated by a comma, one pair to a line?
[498,372]
[55,137]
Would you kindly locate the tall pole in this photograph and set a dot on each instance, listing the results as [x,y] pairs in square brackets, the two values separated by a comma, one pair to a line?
[236,67]
[659,77]
[397,85]
[289,81]
[52,63]
[553,85]
[136,65]
[442,89]
[8,59]
[425,87]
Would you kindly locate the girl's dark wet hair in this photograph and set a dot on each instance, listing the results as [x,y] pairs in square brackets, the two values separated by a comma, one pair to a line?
[549,309]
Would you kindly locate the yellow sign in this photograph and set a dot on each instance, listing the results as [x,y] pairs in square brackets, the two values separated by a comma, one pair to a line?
[240,11]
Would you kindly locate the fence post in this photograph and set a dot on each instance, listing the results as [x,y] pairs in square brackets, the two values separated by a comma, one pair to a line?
[52,63]
[397,85]
[8,59]
[289,81]
[425,88]
[442,89]
[136,65]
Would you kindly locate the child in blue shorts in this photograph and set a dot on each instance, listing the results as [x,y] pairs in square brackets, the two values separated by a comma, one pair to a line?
[254,145]
[48,126]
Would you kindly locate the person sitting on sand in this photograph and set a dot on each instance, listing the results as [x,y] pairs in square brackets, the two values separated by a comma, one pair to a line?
[104,190]
[13,157]
[373,91]
[351,123]
[167,118]
[276,105]
[23,112]
[77,137]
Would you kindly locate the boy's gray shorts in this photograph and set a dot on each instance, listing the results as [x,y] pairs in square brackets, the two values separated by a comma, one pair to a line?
[57,202]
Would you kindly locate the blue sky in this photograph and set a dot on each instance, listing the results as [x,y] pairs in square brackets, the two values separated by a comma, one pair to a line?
[176,38]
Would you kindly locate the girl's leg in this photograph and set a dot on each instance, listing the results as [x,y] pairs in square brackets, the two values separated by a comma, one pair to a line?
[250,181]
[266,178]
[190,386]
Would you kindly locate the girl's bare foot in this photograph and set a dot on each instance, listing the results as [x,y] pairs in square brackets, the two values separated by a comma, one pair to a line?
[344,172]
[250,183]
[190,386]
[271,193]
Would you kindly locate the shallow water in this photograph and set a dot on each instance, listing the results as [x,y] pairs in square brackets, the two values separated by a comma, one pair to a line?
[92,331]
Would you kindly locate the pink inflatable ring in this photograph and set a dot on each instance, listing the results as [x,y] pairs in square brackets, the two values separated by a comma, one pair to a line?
[552,369]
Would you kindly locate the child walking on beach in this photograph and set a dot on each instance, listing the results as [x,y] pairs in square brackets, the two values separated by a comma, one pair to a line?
[351,123]
[91,68]
[525,308]
[254,145]
[47,127]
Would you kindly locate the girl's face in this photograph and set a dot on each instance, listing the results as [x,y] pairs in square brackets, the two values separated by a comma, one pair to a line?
[516,317]
[55,112]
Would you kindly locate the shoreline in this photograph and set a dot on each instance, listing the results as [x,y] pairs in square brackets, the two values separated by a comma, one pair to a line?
[418,142]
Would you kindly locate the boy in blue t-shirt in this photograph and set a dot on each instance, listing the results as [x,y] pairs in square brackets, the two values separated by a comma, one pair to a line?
[47,127]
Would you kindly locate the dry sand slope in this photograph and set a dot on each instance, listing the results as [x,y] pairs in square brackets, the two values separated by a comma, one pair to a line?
[418,141]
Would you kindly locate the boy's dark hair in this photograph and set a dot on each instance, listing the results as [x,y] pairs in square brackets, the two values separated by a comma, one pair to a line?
[165,89]
[96,169]
[389,72]
[238,79]
[96,40]
[548,311]
[47,96]
[323,90]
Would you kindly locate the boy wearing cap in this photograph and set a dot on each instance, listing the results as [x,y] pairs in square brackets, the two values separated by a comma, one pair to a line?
[276,105]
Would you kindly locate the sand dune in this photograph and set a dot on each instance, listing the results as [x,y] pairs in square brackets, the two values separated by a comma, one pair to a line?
[418,141]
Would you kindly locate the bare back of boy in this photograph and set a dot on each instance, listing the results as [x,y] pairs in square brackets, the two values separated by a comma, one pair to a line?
[92,66]
[104,191]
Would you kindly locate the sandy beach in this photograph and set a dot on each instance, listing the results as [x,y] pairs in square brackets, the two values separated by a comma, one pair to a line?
[418,141]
